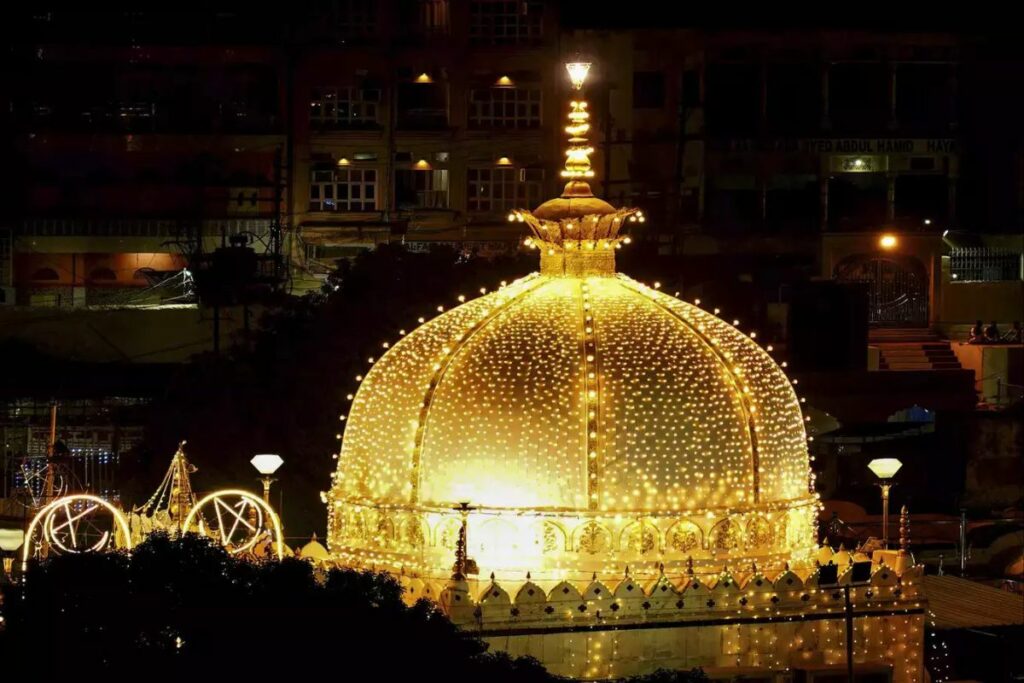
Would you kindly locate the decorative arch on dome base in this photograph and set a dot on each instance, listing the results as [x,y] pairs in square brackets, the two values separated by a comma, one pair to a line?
[421,541]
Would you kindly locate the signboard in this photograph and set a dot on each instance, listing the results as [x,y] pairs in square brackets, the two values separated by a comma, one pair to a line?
[846,145]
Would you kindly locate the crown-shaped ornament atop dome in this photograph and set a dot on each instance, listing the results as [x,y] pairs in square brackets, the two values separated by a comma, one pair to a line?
[577,233]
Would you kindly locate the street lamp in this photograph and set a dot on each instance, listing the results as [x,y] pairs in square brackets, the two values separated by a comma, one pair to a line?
[266,464]
[10,541]
[578,73]
[885,469]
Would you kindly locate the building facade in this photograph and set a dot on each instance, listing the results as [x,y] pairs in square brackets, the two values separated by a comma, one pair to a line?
[423,123]
[139,141]
[318,131]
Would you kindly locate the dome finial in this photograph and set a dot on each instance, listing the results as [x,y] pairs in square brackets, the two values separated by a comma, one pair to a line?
[577,157]
[577,232]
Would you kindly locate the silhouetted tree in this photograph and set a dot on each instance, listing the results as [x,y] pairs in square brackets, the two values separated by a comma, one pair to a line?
[184,609]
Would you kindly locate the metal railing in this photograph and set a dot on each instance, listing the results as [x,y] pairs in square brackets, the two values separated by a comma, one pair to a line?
[137,227]
[1006,393]
[984,264]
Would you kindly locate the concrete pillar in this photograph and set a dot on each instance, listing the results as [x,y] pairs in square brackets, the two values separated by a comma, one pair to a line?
[890,196]
[951,200]
[763,79]
[826,122]
[954,92]
[762,198]
[893,121]
[823,191]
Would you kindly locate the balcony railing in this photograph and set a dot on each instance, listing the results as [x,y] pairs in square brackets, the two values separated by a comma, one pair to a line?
[157,227]
[427,199]
[423,119]
[982,264]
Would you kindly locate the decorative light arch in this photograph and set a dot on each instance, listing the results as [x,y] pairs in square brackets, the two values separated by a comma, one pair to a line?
[47,523]
[217,498]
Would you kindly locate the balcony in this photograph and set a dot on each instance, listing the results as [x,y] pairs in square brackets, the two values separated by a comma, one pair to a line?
[422,106]
[425,118]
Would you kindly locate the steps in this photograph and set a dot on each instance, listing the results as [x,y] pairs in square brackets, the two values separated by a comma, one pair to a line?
[917,355]
[901,335]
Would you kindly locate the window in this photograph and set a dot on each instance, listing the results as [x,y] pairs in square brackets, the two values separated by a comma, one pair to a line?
[793,203]
[794,98]
[422,106]
[426,189]
[924,96]
[504,108]
[348,189]
[506,22]
[648,90]
[499,190]
[858,96]
[433,16]
[857,201]
[332,107]
[732,98]
[921,197]
[357,18]
[691,88]
[45,274]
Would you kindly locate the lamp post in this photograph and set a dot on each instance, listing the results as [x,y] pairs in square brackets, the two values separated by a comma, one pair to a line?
[266,464]
[885,469]
[10,541]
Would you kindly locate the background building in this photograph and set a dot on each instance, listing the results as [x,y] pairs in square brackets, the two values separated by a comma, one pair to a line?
[774,145]
[138,141]
[421,122]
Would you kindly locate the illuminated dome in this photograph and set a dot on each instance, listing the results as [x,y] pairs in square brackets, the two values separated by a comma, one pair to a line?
[588,402]
[574,423]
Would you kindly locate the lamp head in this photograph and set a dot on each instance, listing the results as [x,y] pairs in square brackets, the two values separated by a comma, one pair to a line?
[577,73]
[885,468]
[267,463]
[11,539]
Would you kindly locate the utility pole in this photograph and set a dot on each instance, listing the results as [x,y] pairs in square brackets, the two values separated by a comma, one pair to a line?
[849,634]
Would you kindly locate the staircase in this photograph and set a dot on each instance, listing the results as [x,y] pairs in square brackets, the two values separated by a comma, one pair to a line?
[912,349]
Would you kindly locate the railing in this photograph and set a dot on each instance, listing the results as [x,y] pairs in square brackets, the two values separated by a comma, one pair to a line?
[983,264]
[423,119]
[137,227]
[1006,393]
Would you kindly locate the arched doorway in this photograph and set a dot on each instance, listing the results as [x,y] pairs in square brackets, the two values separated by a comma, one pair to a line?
[897,288]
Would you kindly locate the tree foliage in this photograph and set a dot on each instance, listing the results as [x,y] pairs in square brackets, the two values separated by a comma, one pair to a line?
[184,609]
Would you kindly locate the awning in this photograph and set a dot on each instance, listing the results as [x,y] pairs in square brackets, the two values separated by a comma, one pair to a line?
[959,603]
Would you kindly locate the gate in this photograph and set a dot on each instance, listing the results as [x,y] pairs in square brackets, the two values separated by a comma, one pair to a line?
[897,288]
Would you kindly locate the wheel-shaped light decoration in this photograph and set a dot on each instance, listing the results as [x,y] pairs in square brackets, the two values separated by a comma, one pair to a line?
[236,518]
[36,485]
[80,523]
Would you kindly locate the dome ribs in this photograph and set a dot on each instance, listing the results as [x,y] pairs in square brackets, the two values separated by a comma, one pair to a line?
[590,364]
[435,380]
[744,401]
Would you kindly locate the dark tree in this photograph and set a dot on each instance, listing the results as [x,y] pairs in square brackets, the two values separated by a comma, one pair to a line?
[185,608]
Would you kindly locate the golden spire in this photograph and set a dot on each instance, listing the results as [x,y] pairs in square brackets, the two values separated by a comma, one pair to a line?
[577,156]
[577,233]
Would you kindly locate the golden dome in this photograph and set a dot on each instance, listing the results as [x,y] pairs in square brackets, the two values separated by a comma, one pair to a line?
[571,424]
[563,401]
